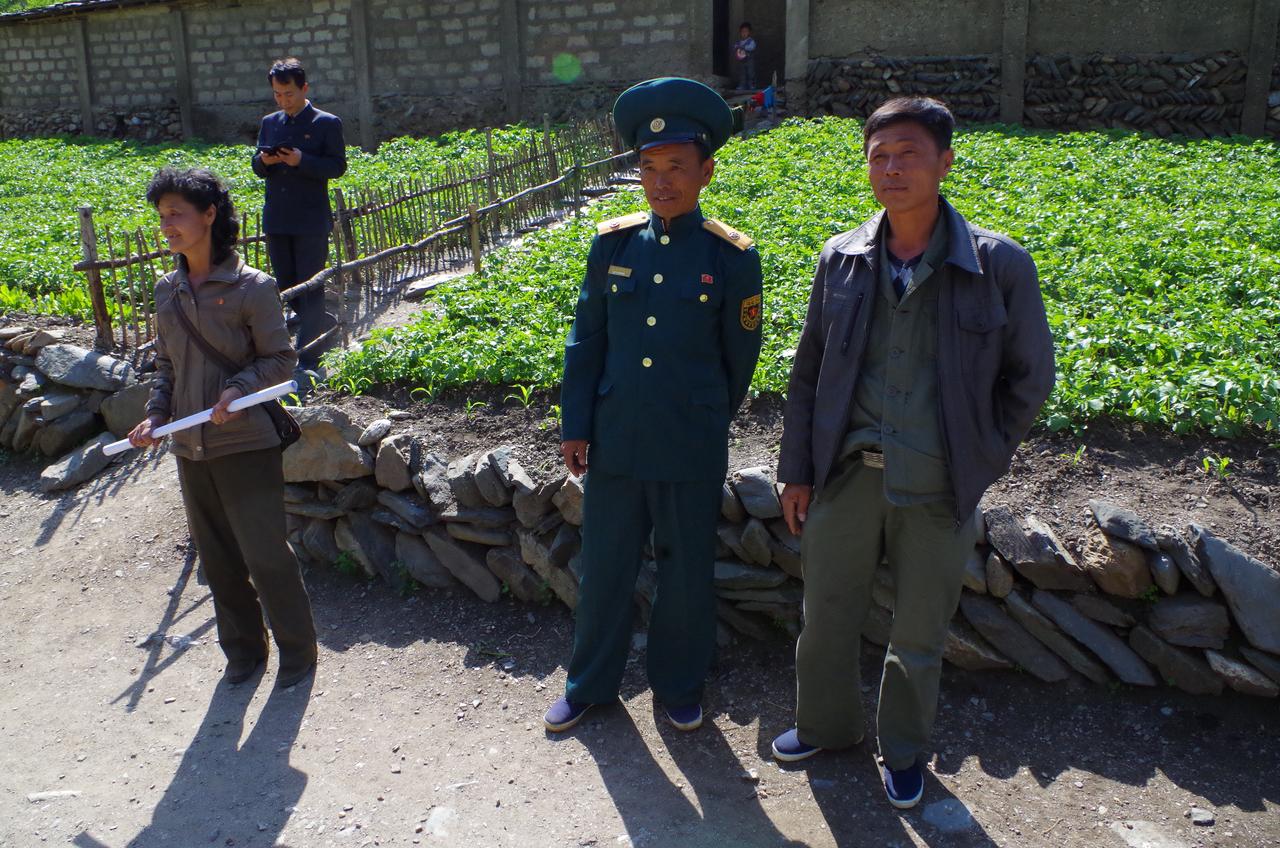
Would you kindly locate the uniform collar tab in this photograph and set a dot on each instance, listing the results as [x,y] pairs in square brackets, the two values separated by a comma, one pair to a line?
[681,226]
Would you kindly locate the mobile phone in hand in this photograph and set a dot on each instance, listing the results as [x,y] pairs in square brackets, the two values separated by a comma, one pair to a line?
[273,150]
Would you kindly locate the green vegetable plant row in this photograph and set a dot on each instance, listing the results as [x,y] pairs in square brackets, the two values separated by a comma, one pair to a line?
[44,181]
[1159,263]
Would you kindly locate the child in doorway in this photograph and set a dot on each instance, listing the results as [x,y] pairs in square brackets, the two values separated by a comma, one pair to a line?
[744,49]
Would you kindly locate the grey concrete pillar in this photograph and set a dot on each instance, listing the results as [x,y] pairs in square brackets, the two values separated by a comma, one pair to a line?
[84,77]
[1013,60]
[363,74]
[700,41]
[182,71]
[797,68]
[512,57]
[1262,55]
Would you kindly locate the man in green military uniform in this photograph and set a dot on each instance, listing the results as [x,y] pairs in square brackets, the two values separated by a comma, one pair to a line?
[665,339]
[925,358]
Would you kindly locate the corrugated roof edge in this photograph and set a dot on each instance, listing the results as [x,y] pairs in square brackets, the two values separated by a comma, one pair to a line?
[73,7]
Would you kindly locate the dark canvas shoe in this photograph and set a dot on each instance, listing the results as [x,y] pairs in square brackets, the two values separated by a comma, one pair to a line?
[685,718]
[564,714]
[238,671]
[903,786]
[788,748]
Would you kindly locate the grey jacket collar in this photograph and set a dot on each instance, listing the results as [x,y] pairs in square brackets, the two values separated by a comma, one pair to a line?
[226,271]
[962,252]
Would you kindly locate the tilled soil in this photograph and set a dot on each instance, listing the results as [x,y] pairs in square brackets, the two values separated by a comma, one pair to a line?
[423,723]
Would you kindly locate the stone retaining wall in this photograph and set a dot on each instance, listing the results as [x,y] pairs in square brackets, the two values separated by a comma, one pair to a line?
[1195,96]
[855,87]
[1140,603]
[1191,95]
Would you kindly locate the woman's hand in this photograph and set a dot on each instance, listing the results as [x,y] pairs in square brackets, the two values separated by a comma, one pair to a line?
[140,436]
[220,414]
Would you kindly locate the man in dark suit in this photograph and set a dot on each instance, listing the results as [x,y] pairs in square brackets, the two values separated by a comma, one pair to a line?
[300,149]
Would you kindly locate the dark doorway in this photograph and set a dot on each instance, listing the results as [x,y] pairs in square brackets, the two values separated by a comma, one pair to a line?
[768,20]
[720,42]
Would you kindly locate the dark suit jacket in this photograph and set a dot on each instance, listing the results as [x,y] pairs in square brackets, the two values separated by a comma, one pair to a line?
[995,356]
[298,198]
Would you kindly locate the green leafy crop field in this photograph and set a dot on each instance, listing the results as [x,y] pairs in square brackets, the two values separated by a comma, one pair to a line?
[44,181]
[1159,262]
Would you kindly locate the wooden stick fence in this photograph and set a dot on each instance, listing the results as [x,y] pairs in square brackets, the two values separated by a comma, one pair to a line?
[382,237]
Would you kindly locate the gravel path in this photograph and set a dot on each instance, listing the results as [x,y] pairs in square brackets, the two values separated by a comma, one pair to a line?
[423,725]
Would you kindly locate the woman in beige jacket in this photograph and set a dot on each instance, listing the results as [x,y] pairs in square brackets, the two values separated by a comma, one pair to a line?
[231,469]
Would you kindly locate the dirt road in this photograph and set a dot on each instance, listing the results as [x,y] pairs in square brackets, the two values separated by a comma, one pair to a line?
[423,725]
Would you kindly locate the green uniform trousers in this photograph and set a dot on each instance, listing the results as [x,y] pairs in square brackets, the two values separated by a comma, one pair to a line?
[235,510]
[618,515]
[851,527]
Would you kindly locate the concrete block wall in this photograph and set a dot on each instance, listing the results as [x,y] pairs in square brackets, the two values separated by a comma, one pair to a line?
[231,49]
[431,48]
[607,39]
[846,28]
[38,65]
[132,58]
[391,67]
[580,54]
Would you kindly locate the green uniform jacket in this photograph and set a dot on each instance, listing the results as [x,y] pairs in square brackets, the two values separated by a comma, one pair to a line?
[664,342]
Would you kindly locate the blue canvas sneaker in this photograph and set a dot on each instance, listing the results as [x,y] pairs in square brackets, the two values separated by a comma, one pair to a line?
[685,718]
[564,714]
[788,748]
[903,786]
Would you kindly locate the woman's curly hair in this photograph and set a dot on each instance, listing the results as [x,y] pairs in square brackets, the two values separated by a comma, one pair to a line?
[201,188]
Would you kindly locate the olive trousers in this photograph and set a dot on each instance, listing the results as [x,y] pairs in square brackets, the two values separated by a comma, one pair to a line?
[235,511]
[851,528]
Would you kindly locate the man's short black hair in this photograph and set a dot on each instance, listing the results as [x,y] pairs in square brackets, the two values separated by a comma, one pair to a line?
[746,25]
[288,70]
[928,112]
[201,188]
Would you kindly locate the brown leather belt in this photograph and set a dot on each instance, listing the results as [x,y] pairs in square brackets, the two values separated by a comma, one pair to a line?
[872,459]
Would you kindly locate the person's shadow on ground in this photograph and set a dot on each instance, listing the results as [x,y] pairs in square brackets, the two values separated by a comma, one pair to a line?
[229,793]
[847,788]
[655,808]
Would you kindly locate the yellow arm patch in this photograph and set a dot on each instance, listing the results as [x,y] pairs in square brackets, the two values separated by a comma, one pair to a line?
[626,222]
[749,313]
[728,233]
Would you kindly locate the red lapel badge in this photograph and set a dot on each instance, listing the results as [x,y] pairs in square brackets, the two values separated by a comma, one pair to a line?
[707,280]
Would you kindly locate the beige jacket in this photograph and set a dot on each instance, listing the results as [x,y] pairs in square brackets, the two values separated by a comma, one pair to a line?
[238,312]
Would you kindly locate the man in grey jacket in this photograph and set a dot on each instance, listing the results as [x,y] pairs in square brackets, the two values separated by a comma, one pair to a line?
[924,360]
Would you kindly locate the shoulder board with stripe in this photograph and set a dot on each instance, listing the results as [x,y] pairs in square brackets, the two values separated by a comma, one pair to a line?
[728,233]
[626,222]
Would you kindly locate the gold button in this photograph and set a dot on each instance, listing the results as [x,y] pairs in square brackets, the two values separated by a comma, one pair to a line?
[665,239]
[646,362]
[615,286]
[702,297]
[657,278]
[651,320]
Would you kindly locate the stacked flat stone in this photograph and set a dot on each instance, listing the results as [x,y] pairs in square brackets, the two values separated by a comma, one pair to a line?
[855,87]
[1192,95]
[1136,604]
[64,402]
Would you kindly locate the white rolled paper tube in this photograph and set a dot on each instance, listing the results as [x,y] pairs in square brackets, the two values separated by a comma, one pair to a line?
[195,419]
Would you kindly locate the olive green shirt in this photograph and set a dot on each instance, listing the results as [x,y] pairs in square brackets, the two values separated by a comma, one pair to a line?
[895,404]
